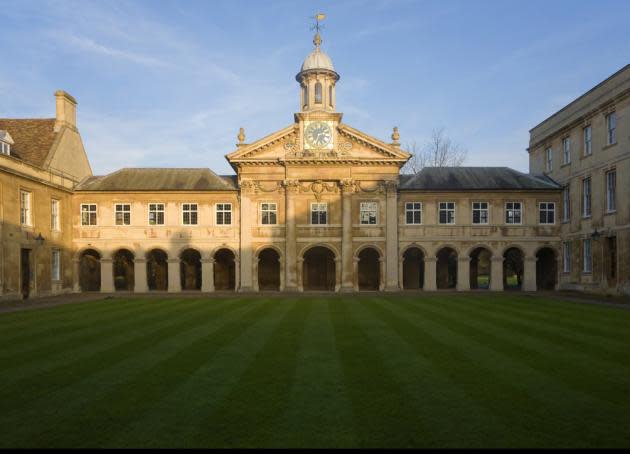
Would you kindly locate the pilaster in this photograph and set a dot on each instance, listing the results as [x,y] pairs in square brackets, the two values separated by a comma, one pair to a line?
[140,275]
[347,266]
[391,268]
[430,274]
[496,274]
[174,282]
[463,274]
[107,275]
[291,271]
[529,274]
[207,274]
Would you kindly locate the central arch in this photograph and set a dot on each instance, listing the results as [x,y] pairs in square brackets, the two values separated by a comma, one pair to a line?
[269,270]
[546,269]
[413,269]
[157,270]
[224,270]
[90,271]
[446,269]
[480,268]
[123,269]
[369,269]
[318,271]
[513,269]
[190,269]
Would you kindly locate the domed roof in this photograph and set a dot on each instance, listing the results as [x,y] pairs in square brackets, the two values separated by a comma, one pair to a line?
[317,60]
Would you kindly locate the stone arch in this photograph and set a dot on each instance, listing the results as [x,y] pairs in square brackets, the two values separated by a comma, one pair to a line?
[319,268]
[413,267]
[546,268]
[190,269]
[513,267]
[480,267]
[446,267]
[308,247]
[89,270]
[269,268]
[368,274]
[123,270]
[157,269]
[224,269]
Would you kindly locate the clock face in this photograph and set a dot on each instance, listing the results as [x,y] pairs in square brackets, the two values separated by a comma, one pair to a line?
[318,134]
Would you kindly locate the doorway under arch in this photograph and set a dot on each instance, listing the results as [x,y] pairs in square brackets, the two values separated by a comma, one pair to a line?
[480,268]
[123,269]
[269,270]
[318,271]
[157,270]
[190,269]
[369,269]
[446,268]
[224,270]
[90,271]
[413,269]
[546,269]
[513,269]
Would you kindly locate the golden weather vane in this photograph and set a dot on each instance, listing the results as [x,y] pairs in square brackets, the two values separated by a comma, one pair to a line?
[318,18]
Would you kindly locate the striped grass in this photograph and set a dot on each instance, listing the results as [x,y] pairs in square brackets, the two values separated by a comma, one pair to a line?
[368,370]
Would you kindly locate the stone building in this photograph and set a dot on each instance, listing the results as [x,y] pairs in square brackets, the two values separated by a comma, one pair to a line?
[585,147]
[317,205]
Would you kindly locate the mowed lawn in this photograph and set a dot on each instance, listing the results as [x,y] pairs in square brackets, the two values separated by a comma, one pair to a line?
[370,370]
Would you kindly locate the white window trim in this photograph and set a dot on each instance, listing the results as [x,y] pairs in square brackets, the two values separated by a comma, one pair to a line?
[157,211]
[54,278]
[566,152]
[260,212]
[216,212]
[181,211]
[81,214]
[472,216]
[554,213]
[413,210]
[377,213]
[28,221]
[506,209]
[115,212]
[55,226]
[588,215]
[311,214]
[447,209]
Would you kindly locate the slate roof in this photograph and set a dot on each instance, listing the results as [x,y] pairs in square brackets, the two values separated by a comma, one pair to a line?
[474,178]
[159,179]
[33,138]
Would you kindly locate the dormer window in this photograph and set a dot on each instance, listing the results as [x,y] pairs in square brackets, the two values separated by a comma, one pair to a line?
[318,93]
[5,143]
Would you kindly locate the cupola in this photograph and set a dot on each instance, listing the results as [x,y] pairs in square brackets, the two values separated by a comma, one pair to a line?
[317,79]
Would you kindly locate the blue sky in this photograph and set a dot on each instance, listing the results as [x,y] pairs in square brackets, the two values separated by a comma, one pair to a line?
[168,83]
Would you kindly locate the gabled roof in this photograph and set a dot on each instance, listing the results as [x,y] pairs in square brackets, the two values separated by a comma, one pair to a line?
[33,138]
[474,178]
[159,179]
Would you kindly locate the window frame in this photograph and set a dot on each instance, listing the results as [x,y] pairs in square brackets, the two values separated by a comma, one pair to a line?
[269,211]
[157,212]
[546,210]
[116,211]
[566,257]
[26,208]
[587,258]
[363,203]
[607,175]
[447,210]
[223,212]
[486,209]
[190,212]
[55,215]
[566,203]
[89,213]
[520,212]
[320,99]
[318,205]
[413,211]
[549,159]
[587,132]
[55,266]
[611,132]
[566,150]
[587,195]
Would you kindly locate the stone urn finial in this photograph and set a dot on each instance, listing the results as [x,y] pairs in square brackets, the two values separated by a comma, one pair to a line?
[395,136]
[241,136]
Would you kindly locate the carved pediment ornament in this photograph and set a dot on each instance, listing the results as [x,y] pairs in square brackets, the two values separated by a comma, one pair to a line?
[318,187]
[291,186]
[348,186]
[378,188]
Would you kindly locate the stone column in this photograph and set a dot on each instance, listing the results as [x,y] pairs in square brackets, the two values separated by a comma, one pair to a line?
[347,266]
[207,275]
[174,282]
[463,273]
[391,229]
[244,284]
[430,274]
[383,266]
[355,273]
[496,274]
[300,274]
[529,274]
[238,286]
[76,274]
[290,268]
[107,276]
[338,266]
[140,275]
[255,263]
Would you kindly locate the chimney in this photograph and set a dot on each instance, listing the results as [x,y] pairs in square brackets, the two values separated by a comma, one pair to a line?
[66,111]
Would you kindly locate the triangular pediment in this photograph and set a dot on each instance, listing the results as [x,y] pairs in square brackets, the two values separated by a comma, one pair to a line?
[351,145]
